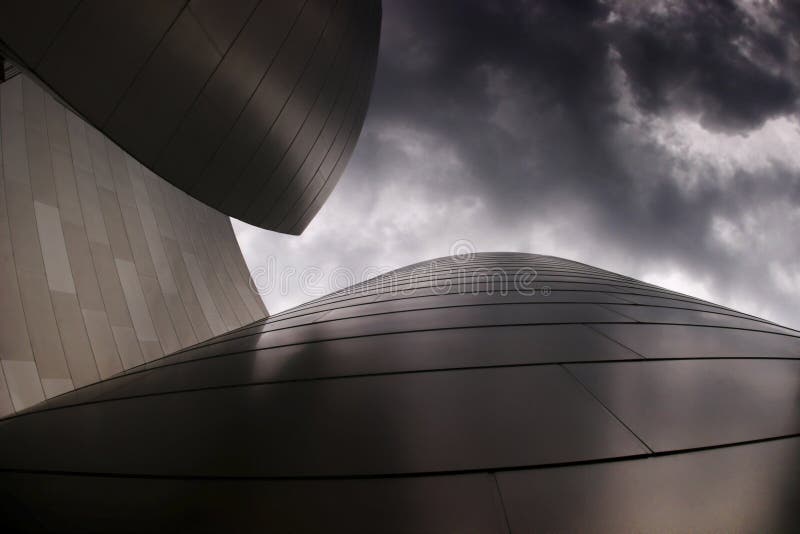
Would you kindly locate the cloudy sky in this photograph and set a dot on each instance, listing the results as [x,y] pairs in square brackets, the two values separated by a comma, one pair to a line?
[655,139]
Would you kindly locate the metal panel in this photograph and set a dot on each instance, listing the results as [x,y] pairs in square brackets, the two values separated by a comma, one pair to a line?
[119,162]
[675,341]
[134,296]
[207,267]
[378,391]
[152,235]
[14,341]
[163,90]
[244,299]
[332,165]
[93,41]
[397,353]
[749,488]
[79,144]
[684,404]
[68,211]
[173,248]
[445,421]
[202,92]
[110,286]
[228,91]
[204,295]
[278,334]
[101,166]
[252,330]
[466,317]
[94,223]
[264,106]
[305,207]
[131,351]
[80,260]
[676,303]
[222,21]
[46,16]
[74,339]
[157,305]
[282,141]
[172,297]
[244,284]
[22,223]
[54,248]
[6,406]
[196,327]
[463,503]
[43,331]
[237,314]
[103,345]
[24,384]
[40,165]
[137,240]
[69,206]
[653,314]
[318,130]
[112,217]
[12,121]
[398,303]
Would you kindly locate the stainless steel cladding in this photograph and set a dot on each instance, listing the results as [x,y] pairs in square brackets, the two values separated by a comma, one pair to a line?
[105,266]
[252,107]
[482,393]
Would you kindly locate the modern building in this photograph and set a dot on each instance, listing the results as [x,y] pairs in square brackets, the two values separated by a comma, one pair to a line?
[251,106]
[129,132]
[486,393]
[105,265]
[147,389]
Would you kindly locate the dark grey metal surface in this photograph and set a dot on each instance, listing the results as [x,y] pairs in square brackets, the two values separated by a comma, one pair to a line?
[251,106]
[460,503]
[482,394]
[680,404]
[453,421]
[745,488]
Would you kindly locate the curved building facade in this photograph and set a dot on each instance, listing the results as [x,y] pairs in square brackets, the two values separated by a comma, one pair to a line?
[133,129]
[487,393]
[105,265]
[251,106]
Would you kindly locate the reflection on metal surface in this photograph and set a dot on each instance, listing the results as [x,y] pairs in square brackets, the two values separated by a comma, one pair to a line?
[435,399]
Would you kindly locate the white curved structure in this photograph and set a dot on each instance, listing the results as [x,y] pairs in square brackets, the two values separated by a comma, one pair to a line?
[104,265]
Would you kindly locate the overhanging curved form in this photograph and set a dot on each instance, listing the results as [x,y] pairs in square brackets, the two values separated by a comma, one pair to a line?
[252,107]
[493,393]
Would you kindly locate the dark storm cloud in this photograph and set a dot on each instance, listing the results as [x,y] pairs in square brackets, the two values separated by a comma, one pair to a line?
[447,66]
[528,94]
[636,136]
[713,59]
[552,61]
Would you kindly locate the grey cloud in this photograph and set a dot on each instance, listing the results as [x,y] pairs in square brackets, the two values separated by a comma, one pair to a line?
[506,123]
[712,58]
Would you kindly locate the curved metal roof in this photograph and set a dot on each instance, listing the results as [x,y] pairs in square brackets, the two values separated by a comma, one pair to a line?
[252,107]
[489,393]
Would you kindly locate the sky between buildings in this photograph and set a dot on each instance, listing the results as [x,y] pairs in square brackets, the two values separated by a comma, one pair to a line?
[659,140]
